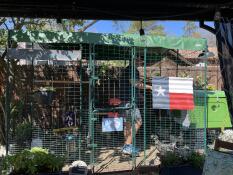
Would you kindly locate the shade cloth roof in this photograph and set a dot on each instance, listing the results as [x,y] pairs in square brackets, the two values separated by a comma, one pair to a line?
[44,54]
[120,9]
[109,39]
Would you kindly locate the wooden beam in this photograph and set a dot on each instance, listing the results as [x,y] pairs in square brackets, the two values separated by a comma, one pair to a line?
[60,81]
[222,144]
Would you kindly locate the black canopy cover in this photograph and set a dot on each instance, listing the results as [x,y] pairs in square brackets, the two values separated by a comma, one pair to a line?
[118,9]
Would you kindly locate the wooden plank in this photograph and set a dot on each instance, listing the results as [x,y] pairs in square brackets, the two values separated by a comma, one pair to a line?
[65,129]
[112,160]
[60,81]
[222,144]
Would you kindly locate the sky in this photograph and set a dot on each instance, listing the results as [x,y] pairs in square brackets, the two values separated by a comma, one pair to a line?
[172,28]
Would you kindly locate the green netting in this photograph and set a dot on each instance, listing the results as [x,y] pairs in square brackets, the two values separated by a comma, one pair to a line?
[109,39]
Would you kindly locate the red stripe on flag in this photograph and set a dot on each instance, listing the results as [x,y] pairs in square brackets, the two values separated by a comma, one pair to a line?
[181,101]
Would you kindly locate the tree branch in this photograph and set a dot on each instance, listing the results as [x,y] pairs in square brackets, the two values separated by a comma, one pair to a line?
[4,115]
[4,54]
[206,27]
[87,26]
[6,26]
[2,21]
[13,20]
[30,22]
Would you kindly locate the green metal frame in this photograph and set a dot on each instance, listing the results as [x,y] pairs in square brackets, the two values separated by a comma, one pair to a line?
[91,101]
[80,107]
[144,102]
[133,70]
[205,103]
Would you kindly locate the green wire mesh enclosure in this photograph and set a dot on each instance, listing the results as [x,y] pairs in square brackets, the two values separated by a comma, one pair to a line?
[68,80]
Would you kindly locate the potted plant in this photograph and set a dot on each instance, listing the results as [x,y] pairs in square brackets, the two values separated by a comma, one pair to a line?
[174,164]
[36,161]
[45,95]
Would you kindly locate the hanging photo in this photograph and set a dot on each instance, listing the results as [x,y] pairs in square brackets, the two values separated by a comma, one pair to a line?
[112,124]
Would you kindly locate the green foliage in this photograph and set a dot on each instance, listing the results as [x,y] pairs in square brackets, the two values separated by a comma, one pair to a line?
[184,74]
[46,24]
[199,83]
[41,24]
[30,162]
[191,30]
[73,25]
[17,85]
[197,160]
[150,27]
[210,87]
[109,65]
[103,69]
[3,36]
[173,159]
[23,132]
[39,150]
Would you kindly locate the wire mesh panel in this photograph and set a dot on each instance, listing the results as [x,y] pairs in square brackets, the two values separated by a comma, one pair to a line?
[160,130]
[60,108]
[174,128]
[111,94]
[54,102]
[102,99]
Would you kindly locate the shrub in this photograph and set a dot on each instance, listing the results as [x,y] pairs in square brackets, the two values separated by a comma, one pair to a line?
[173,159]
[23,132]
[197,160]
[34,161]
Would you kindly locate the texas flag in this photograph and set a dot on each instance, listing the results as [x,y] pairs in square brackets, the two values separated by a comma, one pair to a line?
[172,93]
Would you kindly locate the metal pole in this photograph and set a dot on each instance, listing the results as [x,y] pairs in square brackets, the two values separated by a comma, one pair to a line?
[205,103]
[144,106]
[31,98]
[133,104]
[92,102]
[80,108]
[90,66]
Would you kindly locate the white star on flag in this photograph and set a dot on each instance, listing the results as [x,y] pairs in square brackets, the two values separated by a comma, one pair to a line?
[160,91]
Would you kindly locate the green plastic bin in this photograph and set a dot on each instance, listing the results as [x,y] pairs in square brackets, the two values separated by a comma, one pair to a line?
[217,110]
